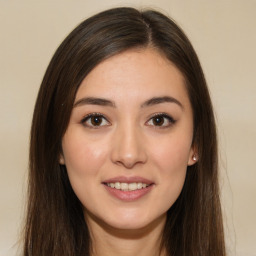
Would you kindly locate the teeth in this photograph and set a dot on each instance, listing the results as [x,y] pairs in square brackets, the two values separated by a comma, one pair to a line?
[124,186]
[127,186]
[116,185]
[133,186]
[139,185]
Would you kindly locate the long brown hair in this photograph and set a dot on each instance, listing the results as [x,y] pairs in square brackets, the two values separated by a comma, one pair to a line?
[55,222]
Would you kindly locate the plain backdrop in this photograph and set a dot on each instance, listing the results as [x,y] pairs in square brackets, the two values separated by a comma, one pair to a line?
[224,36]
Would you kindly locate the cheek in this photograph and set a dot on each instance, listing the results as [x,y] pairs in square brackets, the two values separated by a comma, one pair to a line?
[171,159]
[171,155]
[83,159]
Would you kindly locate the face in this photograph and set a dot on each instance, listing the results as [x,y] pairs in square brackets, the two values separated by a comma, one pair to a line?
[128,142]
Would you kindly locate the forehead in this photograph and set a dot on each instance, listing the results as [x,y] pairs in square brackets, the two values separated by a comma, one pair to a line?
[135,74]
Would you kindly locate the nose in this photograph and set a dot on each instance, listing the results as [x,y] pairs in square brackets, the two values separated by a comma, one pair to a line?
[128,148]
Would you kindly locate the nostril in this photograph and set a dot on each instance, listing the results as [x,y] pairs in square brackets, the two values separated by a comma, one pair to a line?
[128,148]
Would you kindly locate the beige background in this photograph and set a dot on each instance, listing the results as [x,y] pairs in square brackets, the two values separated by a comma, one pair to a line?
[224,35]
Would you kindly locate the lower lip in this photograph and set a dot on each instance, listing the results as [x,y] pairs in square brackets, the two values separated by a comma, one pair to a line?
[128,195]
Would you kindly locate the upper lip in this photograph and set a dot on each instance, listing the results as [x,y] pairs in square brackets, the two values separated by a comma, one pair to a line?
[124,179]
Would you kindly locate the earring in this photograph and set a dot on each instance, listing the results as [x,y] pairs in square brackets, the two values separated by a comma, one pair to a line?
[194,158]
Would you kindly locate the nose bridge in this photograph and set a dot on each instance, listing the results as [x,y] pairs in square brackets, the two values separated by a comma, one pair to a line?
[128,149]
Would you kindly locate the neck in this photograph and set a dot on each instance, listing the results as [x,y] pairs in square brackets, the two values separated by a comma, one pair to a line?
[109,241]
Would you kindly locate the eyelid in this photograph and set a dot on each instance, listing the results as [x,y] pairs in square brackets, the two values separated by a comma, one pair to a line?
[170,119]
[90,115]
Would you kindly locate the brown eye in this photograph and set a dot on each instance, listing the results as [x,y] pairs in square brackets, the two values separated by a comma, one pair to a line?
[95,121]
[158,120]
[161,121]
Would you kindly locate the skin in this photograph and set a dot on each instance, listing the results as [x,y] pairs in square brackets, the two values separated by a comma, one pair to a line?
[129,142]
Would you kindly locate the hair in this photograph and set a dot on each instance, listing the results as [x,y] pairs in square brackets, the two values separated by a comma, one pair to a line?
[55,223]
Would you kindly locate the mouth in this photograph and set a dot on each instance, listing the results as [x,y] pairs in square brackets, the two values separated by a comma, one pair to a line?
[128,188]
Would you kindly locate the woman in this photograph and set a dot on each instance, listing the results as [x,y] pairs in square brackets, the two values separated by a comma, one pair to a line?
[123,155]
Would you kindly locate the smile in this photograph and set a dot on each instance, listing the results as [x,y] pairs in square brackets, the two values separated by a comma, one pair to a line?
[127,186]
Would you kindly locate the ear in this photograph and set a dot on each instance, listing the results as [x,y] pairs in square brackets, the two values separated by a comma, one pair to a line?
[193,156]
[61,159]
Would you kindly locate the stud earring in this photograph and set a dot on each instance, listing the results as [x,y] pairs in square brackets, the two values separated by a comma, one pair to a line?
[194,157]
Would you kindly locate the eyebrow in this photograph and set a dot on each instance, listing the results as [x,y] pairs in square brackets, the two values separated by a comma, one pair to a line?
[94,101]
[109,103]
[159,100]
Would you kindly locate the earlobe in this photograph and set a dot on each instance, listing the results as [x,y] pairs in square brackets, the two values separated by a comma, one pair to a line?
[61,159]
[193,156]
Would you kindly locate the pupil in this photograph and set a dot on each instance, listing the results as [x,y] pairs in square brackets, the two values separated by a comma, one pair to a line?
[96,120]
[158,120]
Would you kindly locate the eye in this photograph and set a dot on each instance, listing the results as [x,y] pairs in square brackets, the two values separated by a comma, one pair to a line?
[95,120]
[161,121]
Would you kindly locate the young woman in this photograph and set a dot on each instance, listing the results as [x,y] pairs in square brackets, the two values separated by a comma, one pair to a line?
[123,154]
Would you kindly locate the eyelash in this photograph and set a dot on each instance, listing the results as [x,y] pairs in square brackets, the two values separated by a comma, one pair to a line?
[90,116]
[167,117]
[171,120]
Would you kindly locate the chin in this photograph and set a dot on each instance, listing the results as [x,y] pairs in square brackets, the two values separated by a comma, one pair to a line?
[131,224]
[127,220]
